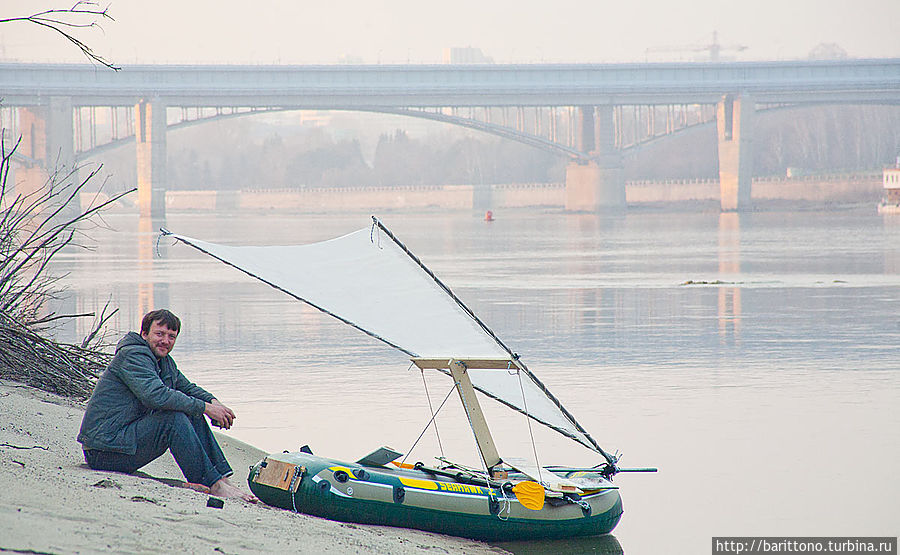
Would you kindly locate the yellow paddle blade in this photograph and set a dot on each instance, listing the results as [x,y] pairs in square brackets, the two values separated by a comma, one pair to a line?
[530,495]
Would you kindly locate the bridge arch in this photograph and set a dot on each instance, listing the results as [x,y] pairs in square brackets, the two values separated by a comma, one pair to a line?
[485,127]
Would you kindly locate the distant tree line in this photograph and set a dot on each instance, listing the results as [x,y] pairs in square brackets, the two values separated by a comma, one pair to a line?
[242,154]
[313,158]
[828,138]
[815,139]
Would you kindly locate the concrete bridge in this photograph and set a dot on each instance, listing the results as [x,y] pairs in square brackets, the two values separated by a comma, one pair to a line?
[45,95]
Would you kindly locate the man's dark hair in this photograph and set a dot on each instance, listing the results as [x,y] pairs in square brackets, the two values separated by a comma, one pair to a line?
[163,317]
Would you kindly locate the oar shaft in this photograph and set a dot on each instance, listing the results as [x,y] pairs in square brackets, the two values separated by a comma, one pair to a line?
[596,469]
[460,476]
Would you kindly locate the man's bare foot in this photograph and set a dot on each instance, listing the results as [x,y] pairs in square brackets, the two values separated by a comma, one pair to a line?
[224,488]
[196,487]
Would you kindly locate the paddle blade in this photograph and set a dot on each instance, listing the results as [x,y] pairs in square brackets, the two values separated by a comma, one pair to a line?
[530,495]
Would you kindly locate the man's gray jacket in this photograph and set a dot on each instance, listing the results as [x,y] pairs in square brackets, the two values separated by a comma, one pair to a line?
[133,384]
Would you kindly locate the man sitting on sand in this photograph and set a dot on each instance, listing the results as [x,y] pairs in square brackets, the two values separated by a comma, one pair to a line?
[142,405]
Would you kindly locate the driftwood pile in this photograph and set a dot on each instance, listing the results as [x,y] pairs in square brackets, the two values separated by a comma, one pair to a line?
[59,368]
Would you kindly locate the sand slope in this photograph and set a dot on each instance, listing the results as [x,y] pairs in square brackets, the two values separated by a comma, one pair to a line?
[50,502]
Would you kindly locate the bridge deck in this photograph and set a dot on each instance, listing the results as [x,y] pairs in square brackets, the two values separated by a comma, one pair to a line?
[351,87]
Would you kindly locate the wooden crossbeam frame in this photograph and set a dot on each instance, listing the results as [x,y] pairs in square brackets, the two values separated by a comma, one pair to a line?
[474,363]
[459,371]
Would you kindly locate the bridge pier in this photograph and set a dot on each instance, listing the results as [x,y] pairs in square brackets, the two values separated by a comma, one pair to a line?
[599,184]
[734,120]
[150,141]
[594,187]
[584,129]
[47,138]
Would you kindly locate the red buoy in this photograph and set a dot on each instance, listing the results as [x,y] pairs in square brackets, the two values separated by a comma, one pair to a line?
[489,216]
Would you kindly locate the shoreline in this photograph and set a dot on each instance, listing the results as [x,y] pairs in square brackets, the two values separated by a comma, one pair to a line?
[53,503]
[679,194]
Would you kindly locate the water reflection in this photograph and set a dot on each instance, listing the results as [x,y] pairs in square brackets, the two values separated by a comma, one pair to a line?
[891,227]
[151,293]
[604,545]
[729,270]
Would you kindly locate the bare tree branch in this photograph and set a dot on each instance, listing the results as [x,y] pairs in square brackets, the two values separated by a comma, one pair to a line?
[83,15]
[34,228]
[53,317]
[98,326]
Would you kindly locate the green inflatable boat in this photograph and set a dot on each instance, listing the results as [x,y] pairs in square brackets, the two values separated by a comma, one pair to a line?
[449,501]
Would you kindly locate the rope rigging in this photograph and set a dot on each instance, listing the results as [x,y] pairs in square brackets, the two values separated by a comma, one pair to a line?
[433,416]
[530,431]
[431,408]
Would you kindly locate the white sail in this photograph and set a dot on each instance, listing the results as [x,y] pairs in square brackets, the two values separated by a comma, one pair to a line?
[368,280]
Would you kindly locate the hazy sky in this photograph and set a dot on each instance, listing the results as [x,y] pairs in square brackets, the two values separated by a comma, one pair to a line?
[397,31]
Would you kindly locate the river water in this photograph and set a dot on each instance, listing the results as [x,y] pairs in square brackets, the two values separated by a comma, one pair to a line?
[766,391]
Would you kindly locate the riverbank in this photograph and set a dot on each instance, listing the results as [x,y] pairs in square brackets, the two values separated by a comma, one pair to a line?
[51,502]
[820,191]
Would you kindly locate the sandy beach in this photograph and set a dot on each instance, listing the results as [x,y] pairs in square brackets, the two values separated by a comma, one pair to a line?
[51,502]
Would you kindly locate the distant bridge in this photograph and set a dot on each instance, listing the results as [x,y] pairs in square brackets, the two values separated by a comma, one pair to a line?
[593,94]
[417,86]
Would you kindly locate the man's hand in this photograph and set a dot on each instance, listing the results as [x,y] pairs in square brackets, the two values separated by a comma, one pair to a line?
[220,415]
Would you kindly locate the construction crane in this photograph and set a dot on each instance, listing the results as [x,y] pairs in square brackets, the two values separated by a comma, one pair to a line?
[714,48]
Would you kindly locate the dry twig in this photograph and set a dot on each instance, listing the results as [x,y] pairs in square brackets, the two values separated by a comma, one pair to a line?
[83,15]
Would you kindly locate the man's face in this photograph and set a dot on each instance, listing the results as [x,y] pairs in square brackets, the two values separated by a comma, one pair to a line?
[160,338]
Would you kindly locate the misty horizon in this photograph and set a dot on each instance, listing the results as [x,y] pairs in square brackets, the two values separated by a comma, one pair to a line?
[572,31]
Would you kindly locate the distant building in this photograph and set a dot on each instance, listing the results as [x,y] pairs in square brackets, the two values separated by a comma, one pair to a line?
[315,118]
[350,59]
[890,203]
[827,51]
[466,55]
